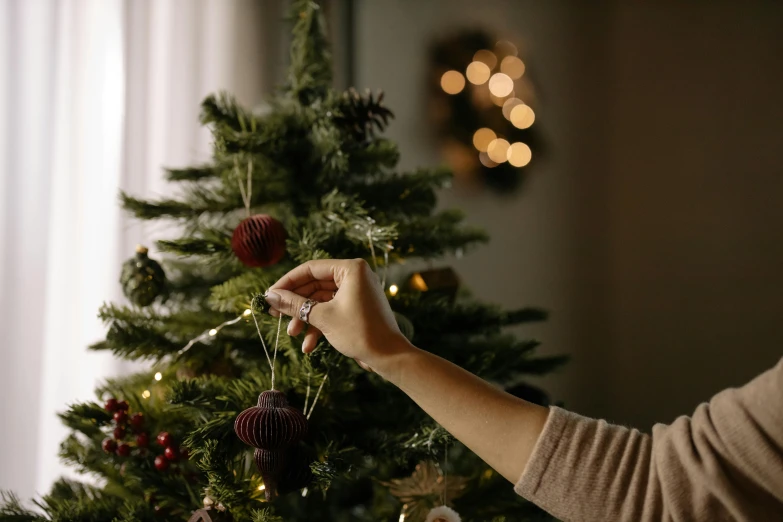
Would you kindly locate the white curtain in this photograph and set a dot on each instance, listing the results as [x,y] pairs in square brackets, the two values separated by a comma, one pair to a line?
[95,96]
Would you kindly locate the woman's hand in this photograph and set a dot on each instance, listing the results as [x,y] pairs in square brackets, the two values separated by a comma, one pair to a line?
[352,310]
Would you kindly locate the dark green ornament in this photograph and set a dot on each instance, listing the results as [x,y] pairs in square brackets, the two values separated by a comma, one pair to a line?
[406,326]
[142,278]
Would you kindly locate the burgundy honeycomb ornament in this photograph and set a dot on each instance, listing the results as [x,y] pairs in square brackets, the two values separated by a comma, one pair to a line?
[272,428]
[259,241]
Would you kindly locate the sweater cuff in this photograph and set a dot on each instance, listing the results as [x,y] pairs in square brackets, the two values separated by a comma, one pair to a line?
[545,447]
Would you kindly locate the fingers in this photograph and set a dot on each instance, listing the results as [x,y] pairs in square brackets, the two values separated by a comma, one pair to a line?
[311,339]
[296,325]
[314,286]
[289,303]
[317,270]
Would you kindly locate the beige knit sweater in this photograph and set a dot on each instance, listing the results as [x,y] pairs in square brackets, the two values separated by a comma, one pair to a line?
[725,463]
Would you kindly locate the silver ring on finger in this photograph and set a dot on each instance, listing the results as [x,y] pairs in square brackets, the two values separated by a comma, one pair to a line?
[304,311]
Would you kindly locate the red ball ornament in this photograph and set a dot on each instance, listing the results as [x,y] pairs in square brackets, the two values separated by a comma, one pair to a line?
[123,450]
[142,440]
[111,405]
[122,405]
[259,241]
[137,421]
[271,427]
[171,453]
[120,416]
[109,445]
[164,438]
[161,464]
[119,432]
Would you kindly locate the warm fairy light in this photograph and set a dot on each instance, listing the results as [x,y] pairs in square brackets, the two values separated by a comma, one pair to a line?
[452,82]
[393,289]
[482,138]
[522,116]
[261,487]
[484,159]
[158,376]
[506,48]
[501,85]
[418,283]
[513,67]
[247,312]
[213,332]
[145,394]
[509,105]
[519,154]
[498,150]
[477,73]
[498,100]
[488,58]
[304,492]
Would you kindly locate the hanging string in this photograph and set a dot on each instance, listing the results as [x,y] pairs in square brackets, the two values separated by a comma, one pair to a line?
[385,265]
[372,250]
[246,193]
[445,474]
[277,343]
[307,395]
[266,352]
[318,394]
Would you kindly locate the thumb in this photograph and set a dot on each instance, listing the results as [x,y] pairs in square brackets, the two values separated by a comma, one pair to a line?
[289,303]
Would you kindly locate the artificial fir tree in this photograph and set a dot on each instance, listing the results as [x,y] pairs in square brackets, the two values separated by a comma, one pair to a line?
[309,179]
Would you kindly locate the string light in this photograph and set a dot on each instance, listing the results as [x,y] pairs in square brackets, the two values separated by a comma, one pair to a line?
[522,116]
[452,82]
[486,57]
[519,154]
[482,138]
[509,105]
[513,67]
[145,394]
[261,487]
[158,376]
[304,492]
[393,289]
[418,283]
[247,312]
[501,85]
[498,150]
[478,73]
[213,332]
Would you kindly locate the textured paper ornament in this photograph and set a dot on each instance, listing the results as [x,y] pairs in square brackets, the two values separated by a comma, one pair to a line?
[425,488]
[442,514]
[259,241]
[406,326]
[272,427]
[142,278]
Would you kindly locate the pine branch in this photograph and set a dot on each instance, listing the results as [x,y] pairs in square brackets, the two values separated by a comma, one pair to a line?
[310,74]
[362,115]
[193,173]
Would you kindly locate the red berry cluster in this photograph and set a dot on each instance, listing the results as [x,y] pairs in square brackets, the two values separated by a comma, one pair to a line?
[171,452]
[119,409]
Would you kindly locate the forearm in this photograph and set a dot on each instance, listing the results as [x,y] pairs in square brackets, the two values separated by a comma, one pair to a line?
[498,427]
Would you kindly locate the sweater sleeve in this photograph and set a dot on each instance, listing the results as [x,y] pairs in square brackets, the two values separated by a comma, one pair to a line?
[725,462]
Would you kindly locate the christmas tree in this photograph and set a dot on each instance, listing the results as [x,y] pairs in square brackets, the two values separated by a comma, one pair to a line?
[310,178]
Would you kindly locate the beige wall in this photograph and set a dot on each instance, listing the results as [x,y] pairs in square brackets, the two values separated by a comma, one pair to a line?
[652,231]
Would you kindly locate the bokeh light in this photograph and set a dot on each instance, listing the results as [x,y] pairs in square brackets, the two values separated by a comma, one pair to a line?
[477,73]
[482,138]
[484,159]
[522,116]
[509,105]
[505,48]
[452,82]
[486,57]
[519,154]
[497,150]
[513,67]
[501,85]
